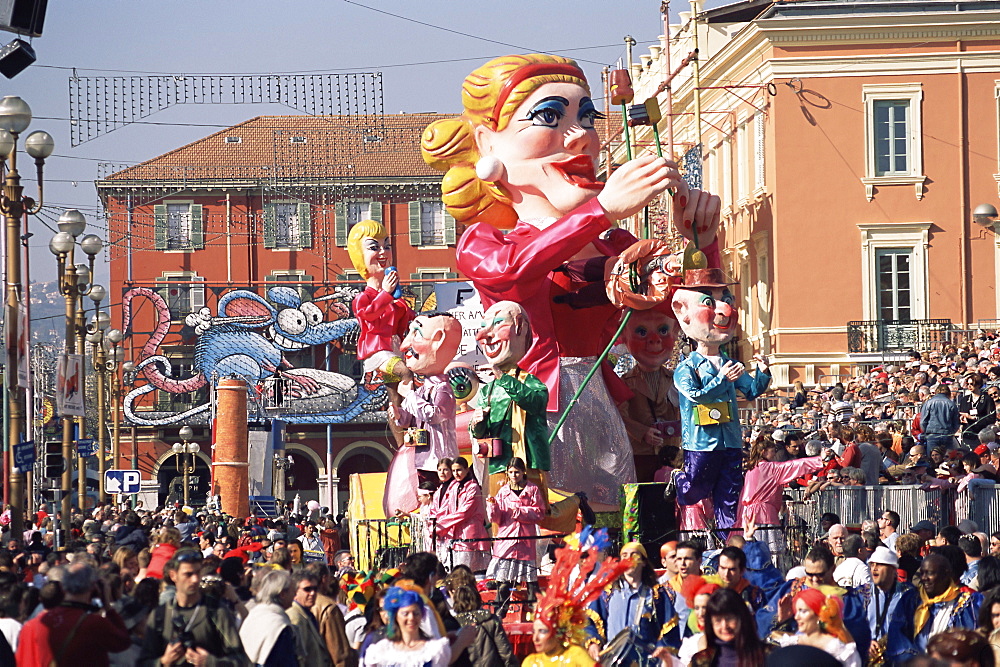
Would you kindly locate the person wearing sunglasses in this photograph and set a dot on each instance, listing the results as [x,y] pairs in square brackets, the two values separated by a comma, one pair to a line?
[301,615]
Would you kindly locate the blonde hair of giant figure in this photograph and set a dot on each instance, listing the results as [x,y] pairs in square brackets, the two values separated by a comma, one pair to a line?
[362,230]
[449,145]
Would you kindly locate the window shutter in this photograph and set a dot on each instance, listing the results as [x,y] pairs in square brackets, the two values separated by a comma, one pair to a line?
[305,225]
[415,235]
[451,275]
[197,294]
[375,210]
[449,227]
[160,226]
[197,227]
[270,233]
[340,224]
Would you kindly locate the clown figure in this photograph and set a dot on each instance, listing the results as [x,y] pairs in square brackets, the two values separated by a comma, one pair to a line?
[706,383]
[651,416]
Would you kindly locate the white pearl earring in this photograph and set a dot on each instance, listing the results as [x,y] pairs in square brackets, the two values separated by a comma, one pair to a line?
[489,169]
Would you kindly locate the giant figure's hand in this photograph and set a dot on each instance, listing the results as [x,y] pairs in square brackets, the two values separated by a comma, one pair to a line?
[701,211]
[637,182]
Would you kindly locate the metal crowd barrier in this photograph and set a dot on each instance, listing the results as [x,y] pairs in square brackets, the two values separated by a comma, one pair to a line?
[985,508]
[854,504]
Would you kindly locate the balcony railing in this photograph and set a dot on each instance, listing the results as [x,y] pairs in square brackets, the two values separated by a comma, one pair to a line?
[874,336]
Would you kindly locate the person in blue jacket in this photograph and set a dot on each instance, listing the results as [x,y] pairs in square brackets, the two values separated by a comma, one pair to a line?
[638,603]
[943,604]
[706,382]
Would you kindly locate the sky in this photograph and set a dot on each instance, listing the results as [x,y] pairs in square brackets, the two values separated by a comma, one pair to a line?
[423,48]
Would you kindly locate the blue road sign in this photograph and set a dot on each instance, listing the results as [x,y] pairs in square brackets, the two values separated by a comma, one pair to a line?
[122,481]
[86,447]
[24,455]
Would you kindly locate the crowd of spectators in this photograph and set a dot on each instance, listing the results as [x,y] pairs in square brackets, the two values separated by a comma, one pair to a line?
[176,587]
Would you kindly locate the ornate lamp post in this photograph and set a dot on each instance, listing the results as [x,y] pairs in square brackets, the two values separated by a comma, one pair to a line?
[103,345]
[74,284]
[184,457]
[15,116]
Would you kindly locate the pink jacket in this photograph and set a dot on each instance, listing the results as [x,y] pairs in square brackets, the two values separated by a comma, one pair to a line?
[439,501]
[464,515]
[761,498]
[516,516]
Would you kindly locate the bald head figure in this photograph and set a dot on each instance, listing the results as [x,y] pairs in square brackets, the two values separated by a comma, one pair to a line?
[504,335]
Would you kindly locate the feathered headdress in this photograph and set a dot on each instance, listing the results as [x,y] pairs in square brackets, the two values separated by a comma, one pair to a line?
[563,605]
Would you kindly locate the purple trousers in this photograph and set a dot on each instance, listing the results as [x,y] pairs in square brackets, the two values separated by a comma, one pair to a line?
[717,474]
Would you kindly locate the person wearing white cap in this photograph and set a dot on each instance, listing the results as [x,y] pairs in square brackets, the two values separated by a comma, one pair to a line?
[889,597]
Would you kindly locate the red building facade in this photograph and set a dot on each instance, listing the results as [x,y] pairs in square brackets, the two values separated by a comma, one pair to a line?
[229,255]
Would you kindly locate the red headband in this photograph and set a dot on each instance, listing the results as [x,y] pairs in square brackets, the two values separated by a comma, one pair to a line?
[526,72]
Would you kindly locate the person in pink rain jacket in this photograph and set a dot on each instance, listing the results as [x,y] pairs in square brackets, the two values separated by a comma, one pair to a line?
[765,479]
[516,509]
[462,518]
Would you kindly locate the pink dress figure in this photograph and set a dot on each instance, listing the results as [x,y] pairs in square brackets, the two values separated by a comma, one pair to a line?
[428,348]
[523,155]
[516,509]
[439,536]
[762,487]
[463,518]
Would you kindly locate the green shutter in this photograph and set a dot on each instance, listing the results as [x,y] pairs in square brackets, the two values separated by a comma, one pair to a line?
[305,225]
[415,235]
[197,227]
[449,227]
[375,210]
[340,224]
[270,239]
[160,226]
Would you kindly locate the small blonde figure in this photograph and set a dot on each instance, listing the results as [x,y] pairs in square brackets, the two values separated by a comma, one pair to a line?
[382,317]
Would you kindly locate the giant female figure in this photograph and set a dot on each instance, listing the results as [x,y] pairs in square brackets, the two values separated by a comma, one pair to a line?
[523,156]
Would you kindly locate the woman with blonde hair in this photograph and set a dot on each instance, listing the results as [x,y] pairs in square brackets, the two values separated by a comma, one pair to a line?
[523,156]
[821,624]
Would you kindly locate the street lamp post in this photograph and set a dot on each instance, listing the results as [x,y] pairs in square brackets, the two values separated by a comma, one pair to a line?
[73,285]
[15,116]
[184,461]
[103,342]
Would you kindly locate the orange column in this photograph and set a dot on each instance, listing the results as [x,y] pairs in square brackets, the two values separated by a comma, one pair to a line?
[231,447]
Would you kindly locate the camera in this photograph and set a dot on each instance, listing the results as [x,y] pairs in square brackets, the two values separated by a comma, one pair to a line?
[181,634]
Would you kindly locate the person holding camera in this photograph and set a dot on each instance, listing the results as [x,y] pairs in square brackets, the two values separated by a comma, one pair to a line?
[77,631]
[193,629]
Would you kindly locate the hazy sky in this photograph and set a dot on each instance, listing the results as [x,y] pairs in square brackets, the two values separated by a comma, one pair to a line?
[422,65]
